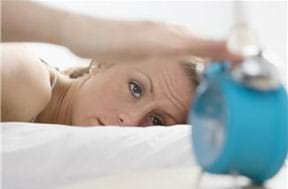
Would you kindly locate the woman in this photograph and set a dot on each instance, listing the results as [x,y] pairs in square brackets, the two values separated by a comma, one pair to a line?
[145,86]
[150,92]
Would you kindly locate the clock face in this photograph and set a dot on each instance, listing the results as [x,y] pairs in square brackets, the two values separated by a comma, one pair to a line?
[208,121]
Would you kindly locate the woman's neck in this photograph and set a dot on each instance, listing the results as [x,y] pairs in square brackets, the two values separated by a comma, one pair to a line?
[59,108]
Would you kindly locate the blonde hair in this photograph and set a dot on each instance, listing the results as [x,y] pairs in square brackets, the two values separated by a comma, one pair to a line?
[191,67]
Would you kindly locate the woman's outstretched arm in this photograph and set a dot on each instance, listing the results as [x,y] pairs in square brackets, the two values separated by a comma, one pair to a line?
[29,21]
[104,39]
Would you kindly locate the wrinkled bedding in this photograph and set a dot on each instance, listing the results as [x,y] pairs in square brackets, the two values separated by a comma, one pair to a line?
[48,156]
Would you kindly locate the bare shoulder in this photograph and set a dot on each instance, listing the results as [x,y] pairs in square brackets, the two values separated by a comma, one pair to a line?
[25,83]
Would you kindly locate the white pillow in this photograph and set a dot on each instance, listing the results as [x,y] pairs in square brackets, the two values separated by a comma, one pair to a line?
[47,156]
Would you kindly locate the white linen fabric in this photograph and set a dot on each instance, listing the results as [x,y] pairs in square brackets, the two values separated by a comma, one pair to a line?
[48,156]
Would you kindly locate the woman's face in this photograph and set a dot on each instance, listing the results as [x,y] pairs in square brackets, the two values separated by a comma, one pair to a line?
[134,94]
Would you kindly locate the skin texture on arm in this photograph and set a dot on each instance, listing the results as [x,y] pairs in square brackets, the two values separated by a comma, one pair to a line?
[104,39]
[28,21]
[25,84]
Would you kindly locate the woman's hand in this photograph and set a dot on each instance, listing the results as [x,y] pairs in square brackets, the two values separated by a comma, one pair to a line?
[109,40]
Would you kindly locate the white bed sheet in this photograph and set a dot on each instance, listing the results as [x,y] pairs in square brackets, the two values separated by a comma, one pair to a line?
[48,156]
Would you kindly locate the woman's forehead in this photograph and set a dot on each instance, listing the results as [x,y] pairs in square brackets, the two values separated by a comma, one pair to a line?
[171,85]
[171,72]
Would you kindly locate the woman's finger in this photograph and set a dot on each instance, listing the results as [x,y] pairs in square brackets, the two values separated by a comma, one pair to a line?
[214,50]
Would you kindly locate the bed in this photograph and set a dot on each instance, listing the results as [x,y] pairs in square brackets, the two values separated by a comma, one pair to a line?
[42,156]
[45,156]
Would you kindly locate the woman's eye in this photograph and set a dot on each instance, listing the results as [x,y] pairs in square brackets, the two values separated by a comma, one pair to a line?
[156,120]
[135,89]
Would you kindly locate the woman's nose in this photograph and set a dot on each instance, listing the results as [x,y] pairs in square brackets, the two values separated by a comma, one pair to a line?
[131,119]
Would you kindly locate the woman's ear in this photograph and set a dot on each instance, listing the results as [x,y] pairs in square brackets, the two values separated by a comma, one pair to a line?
[96,67]
[79,71]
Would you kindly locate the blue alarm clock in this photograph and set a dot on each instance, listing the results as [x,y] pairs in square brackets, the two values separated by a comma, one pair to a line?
[239,120]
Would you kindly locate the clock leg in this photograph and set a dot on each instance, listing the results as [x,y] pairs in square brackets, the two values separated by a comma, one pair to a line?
[235,175]
[199,179]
